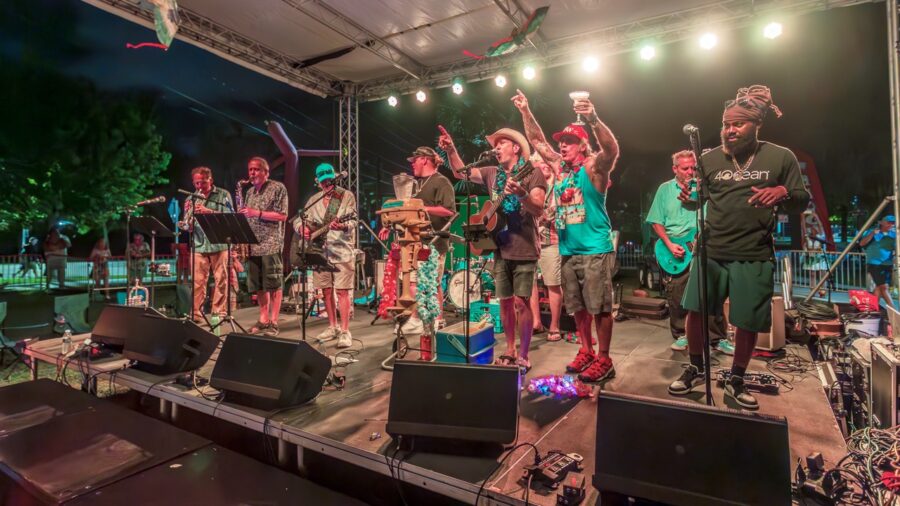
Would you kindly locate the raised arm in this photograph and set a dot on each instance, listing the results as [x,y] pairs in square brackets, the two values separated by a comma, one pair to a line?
[605,160]
[534,133]
[445,142]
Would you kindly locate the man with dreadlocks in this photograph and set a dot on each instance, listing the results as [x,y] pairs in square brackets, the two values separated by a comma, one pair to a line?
[745,179]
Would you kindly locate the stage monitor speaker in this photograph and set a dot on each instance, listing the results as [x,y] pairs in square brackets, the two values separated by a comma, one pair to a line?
[158,344]
[705,456]
[268,373]
[454,401]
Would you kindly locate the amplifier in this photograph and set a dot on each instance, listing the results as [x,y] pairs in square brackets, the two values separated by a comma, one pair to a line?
[648,307]
[885,362]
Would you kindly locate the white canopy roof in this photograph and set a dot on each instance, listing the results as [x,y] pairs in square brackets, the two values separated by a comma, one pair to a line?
[398,46]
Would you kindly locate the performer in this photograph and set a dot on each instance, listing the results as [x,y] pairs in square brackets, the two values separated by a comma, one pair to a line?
[100,256]
[56,247]
[265,206]
[207,256]
[137,257]
[672,222]
[331,204]
[439,199]
[549,264]
[746,179]
[585,233]
[879,248]
[521,203]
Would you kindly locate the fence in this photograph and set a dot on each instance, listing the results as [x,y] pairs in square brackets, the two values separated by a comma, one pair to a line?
[848,275]
[18,273]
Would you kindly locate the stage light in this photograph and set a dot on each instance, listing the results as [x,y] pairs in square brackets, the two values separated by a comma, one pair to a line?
[590,64]
[500,81]
[529,72]
[648,53]
[392,101]
[457,88]
[772,30]
[709,40]
[420,96]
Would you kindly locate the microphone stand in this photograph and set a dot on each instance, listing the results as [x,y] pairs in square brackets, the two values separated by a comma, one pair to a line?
[702,261]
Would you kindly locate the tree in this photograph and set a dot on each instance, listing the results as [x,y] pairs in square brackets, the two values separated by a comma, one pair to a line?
[71,151]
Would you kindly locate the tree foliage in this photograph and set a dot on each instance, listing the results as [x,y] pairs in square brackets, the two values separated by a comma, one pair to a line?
[68,150]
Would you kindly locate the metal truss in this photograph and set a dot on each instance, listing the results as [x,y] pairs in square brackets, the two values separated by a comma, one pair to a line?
[334,20]
[663,29]
[233,46]
[349,144]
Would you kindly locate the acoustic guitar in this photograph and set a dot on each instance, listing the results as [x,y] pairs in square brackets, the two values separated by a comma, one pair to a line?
[311,242]
[667,261]
[488,216]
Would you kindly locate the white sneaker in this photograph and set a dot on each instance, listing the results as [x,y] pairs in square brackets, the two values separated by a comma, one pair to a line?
[345,340]
[328,334]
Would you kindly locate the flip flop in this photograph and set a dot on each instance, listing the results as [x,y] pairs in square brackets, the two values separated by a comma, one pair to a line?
[541,330]
[554,335]
[505,360]
[524,365]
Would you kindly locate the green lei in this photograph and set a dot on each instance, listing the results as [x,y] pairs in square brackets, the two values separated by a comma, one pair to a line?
[510,203]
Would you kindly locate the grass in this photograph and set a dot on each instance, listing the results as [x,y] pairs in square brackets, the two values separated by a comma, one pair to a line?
[13,371]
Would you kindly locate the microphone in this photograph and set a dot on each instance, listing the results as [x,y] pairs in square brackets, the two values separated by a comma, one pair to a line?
[342,175]
[690,129]
[485,159]
[154,200]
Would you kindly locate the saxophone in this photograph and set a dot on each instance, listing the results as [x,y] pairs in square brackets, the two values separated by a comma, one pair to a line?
[186,223]
[242,250]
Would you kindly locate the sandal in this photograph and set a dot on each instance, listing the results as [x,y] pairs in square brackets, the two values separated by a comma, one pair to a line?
[505,360]
[524,365]
[538,331]
[554,335]
[258,327]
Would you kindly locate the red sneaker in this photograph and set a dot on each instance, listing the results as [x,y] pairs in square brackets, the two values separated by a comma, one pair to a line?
[601,369]
[581,362]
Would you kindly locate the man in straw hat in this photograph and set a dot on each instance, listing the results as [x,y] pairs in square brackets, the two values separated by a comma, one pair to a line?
[745,180]
[583,226]
[521,202]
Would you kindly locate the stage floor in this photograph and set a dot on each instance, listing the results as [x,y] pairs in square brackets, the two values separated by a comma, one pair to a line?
[645,365]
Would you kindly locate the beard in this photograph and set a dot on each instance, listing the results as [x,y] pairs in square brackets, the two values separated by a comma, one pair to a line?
[738,146]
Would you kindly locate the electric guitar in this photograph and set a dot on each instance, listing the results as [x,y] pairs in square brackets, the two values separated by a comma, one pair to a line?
[311,242]
[667,261]
[488,216]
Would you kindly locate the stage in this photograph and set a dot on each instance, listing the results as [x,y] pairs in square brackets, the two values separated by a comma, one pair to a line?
[349,424]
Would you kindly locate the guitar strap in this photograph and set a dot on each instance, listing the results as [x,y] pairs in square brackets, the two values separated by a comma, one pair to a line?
[337,196]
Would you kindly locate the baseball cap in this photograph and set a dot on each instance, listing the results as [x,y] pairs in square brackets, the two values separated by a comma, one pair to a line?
[324,172]
[571,130]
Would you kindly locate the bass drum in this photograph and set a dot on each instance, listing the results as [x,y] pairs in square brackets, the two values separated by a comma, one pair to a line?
[456,287]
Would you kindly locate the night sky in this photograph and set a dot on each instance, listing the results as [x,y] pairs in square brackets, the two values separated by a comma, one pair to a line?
[828,73]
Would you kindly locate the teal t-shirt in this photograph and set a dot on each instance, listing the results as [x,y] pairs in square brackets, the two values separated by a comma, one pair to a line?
[880,250]
[581,219]
[668,211]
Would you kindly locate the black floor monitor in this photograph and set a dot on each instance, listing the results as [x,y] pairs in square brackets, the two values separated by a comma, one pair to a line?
[691,454]
[454,401]
[158,344]
[267,372]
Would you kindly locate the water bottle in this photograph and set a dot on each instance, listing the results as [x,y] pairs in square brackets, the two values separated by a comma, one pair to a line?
[66,342]
[214,323]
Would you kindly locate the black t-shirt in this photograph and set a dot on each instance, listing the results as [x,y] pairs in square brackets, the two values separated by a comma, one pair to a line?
[519,240]
[436,190]
[737,230]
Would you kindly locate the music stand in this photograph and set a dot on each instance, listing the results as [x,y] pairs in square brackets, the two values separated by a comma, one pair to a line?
[148,225]
[228,229]
[310,258]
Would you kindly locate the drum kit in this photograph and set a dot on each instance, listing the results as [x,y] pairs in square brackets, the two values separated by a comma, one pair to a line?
[481,282]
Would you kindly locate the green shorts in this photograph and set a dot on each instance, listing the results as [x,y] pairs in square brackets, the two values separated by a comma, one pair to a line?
[265,273]
[749,285]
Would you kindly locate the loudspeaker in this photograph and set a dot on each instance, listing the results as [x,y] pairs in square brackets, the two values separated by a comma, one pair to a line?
[705,456]
[267,372]
[454,401]
[158,344]
[774,339]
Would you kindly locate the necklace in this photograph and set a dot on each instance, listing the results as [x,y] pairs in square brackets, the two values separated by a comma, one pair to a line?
[741,168]
[422,185]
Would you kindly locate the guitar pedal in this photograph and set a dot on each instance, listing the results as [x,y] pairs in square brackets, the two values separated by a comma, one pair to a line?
[553,468]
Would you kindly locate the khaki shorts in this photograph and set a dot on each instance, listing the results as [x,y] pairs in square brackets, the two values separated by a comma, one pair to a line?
[340,280]
[550,265]
[587,282]
[513,277]
[749,285]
